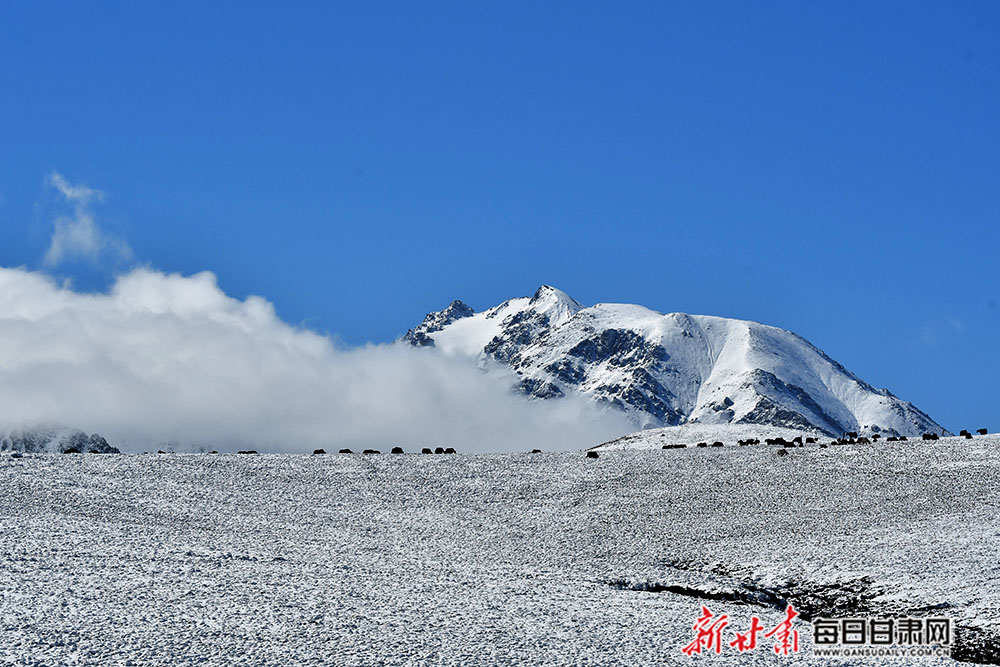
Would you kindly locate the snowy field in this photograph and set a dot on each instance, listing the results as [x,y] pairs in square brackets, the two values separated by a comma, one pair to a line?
[473,560]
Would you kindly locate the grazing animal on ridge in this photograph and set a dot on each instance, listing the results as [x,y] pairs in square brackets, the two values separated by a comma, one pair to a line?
[982,431]
[592,455]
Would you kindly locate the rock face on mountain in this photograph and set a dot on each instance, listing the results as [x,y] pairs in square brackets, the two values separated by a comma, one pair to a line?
[666,370]
[52,439]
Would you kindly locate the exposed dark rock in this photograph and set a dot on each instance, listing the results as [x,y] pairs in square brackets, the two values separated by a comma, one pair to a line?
[538,388]
[419,336]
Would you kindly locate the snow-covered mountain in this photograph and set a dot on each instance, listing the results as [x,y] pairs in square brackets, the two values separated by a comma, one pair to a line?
[665,370]
[52,439]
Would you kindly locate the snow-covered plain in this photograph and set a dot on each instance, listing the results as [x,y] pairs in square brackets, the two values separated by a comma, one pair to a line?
[485,559]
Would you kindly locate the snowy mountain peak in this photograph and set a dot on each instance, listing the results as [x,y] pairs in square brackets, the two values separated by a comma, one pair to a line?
[554,303]
[436,322]
[51,438]
[665,370]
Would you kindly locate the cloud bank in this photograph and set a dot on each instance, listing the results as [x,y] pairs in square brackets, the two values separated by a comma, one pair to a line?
[168,358]
[79,236]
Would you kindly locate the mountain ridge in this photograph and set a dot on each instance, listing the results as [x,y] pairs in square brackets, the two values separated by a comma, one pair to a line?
[668,369]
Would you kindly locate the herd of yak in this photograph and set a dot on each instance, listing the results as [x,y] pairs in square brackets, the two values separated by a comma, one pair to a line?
[850,438]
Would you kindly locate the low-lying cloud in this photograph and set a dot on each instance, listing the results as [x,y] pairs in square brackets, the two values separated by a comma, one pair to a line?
[169,358]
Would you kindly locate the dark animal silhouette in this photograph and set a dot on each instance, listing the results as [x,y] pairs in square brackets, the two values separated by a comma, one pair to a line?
[875,437]
[426,450]
[822,445]
[797,440]
[982,431]
[371,451]
[439,450]
[247,451]
[397,450]
[902,438]
[782,452]
[703,444]
[810,441]
[536,451]
[717,444]
[346,451]
[214,451]
[851,434]
[964,432]
[319,451]
[592,455]
[891,438]
[968,436]
[930,436]
[449,450]
[158,451]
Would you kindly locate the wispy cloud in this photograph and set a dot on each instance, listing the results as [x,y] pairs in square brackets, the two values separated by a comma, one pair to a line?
[940,329]
[78,236]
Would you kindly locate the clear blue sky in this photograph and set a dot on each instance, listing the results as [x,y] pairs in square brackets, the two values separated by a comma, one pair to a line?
[830,168]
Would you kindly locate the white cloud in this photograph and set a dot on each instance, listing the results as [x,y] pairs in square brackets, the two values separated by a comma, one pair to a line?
[172,358]
[79,235]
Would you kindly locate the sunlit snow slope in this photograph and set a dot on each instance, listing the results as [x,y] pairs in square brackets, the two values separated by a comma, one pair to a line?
[669,369]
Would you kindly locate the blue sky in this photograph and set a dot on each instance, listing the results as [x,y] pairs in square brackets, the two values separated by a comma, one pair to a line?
[833,169]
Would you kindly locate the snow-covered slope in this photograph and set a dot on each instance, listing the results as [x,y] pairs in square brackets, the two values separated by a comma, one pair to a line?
[665,370]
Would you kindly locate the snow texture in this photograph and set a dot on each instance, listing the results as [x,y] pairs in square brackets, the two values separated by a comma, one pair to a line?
[666,370]
[486,559]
